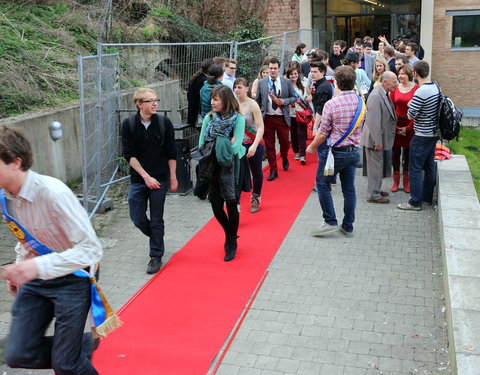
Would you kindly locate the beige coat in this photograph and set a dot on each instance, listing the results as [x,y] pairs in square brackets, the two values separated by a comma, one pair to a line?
[379,128]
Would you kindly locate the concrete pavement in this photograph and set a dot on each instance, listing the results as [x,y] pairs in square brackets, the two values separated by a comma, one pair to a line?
[372,304]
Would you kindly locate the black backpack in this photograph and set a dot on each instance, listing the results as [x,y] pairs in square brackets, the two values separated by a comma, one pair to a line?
[449,118]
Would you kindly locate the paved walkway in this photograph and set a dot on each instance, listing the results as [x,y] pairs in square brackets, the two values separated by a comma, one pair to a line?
[368,305]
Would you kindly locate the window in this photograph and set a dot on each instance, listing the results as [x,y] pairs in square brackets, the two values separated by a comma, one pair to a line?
[465,28]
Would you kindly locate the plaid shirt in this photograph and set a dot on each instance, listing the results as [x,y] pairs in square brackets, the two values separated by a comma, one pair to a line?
[337,115]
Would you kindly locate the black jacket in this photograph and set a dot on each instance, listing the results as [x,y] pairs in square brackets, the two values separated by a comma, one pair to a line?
[323,93]
[147,147]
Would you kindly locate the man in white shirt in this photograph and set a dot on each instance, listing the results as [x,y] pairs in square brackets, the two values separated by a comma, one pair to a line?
[229,74]
[44,286]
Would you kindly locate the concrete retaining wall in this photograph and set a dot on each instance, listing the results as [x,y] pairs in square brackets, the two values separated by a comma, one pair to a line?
[63,159]
[460,235]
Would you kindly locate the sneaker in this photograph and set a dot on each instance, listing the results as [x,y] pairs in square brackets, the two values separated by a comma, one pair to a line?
[239,208]
[296,156]
[255,203]
[154,265]
[408,207]
[345,233]
[325,228]
[303,160]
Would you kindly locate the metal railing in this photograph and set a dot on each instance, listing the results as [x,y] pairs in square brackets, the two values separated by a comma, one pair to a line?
[166,67]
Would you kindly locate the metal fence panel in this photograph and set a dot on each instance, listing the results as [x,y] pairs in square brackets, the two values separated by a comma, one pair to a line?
[166,67]
[99,100]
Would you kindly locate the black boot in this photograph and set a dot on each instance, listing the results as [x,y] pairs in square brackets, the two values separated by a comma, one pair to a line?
[232,249]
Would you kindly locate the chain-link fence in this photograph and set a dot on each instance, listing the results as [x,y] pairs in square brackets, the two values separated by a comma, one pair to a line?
[165,67]
[99,101]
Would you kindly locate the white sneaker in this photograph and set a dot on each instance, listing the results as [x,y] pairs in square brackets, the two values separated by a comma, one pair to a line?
[408,207]
[303,160]
[239,208]
[296,156]
[325,228]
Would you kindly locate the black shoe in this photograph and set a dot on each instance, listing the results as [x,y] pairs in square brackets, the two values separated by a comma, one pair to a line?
[232,249]
[154,265]
[285,164]
[273,176]
[90,344]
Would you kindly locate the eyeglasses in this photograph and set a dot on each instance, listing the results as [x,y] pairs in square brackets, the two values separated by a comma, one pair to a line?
[151,101]
[232,68]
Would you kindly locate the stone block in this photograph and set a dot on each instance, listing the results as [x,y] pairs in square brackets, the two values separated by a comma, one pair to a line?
[464,292]
[463,262]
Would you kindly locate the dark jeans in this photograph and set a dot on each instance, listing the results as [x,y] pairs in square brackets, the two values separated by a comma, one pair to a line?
[298,136]
[154,227]
[67,299]
[398,159]
[276,124]
[421,159]
[345,167]
[255,163]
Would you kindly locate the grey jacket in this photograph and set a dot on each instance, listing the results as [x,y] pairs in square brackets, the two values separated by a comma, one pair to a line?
[379,128]
[288,95]
[369,65]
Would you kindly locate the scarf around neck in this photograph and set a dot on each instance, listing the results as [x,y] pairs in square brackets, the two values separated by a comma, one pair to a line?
[220,125]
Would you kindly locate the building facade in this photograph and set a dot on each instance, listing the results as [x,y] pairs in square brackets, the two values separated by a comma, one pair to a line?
[449,32]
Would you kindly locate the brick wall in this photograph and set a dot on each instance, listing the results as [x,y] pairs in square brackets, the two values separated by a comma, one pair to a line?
[457,72]
[281,16]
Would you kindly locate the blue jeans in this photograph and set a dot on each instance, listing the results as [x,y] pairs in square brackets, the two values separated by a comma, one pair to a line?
[255,163]
[67,299]
[138,197]
[421,159]
[345,167]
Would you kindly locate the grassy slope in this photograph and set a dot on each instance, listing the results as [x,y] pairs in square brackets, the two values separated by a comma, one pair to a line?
[38,55]
[469,145]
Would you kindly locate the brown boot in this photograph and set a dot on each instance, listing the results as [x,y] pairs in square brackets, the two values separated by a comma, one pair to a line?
[406,182]
[255,203]
[396,180]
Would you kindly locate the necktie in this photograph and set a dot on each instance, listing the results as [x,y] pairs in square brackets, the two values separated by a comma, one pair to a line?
[274,105]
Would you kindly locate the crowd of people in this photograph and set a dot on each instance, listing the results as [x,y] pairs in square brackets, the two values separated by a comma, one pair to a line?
[377,99]
[380,99]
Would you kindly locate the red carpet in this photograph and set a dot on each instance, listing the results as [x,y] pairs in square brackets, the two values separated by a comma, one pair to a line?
[177,323]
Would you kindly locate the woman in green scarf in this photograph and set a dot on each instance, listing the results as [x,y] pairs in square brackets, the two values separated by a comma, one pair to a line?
[224,123]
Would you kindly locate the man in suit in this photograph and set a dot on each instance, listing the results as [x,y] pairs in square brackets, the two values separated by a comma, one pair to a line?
[378,134]
[367,62]
[274,96]
[389,56]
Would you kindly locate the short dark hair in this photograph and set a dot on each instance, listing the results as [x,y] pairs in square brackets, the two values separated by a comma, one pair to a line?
[338,42]
[367,44]
[408,70]
[401,57]
[14,144]
[320,65]
[214,71]
[421,68]
[274,60]
[345,77]
[413,46]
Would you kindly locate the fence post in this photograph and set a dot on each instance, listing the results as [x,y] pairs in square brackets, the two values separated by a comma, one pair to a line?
[83,133]
[232,50]
[235,50]
[99,136]
[282,59]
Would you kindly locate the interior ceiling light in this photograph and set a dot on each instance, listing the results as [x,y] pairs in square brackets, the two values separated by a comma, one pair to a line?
[375,3]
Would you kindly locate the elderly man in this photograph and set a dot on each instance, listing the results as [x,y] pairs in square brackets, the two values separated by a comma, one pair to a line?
[378,134]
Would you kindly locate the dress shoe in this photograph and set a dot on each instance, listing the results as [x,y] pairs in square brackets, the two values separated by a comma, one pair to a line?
[154,265]
[285,164]
[273,176]
[384,194]
[382,200]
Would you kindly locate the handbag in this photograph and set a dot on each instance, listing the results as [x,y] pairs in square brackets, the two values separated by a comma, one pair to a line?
[329,168]
[304,117]
[203,152]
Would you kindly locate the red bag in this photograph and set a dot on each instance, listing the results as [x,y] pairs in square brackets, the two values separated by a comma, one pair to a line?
[304,117]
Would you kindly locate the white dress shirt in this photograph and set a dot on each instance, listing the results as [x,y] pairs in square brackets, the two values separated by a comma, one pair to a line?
[52,214]
[278,90]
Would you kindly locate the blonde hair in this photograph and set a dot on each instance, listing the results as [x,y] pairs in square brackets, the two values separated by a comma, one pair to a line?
[140,95]
[376,76]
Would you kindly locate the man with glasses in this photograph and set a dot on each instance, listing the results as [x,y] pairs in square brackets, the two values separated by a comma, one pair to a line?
[148,143]
[229,74]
